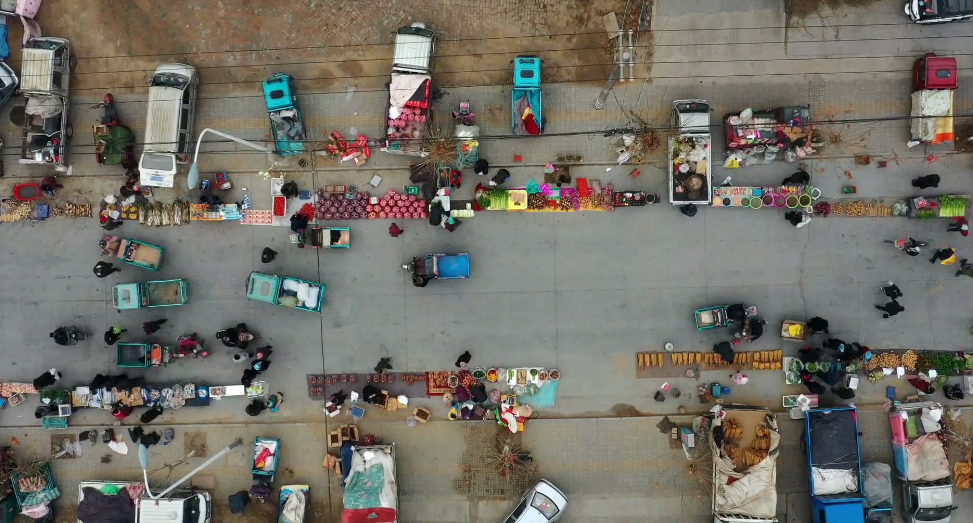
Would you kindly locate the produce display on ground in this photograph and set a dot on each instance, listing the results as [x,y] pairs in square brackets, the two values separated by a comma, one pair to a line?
[394,205]
[544,198]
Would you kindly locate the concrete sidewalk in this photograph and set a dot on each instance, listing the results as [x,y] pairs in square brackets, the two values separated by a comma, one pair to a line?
[612,469]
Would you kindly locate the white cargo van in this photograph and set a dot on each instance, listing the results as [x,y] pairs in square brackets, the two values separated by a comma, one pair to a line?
[45,77]
[197,508]
[169,119]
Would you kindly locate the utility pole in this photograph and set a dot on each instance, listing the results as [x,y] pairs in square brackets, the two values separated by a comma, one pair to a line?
[625,56]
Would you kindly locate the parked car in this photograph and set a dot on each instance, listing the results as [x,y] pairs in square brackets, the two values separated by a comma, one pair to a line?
[543,503]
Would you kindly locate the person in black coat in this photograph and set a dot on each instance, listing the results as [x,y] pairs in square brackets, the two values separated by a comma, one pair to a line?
[817,324]
[799,178]
[927,181]
[47,379]
[725,350]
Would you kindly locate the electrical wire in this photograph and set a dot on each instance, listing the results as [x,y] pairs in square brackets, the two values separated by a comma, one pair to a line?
[492,38]
[715,128]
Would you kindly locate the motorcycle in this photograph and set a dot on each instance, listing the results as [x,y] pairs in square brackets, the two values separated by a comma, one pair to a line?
[109,116]
[188,346]
[464,116]
[69,335]
[911,246]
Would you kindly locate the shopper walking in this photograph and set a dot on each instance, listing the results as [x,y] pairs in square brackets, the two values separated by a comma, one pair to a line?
[946,254]
[105,269]
[47,379]
[151,327]
[892,290]
[927,181]
[890,309]
[960,225]
[817,324]
[395,230]
[965,268]
[267,255]
[113,334]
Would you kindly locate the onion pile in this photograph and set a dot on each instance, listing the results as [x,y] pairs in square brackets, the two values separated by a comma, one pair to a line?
[399,206]
[393,205]
[408,124]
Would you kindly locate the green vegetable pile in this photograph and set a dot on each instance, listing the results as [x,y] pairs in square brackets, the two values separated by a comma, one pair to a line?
[945,363]
[498,198]
[923,214]
[952,206]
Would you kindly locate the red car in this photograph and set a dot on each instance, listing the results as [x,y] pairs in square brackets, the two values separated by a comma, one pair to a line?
[934,72]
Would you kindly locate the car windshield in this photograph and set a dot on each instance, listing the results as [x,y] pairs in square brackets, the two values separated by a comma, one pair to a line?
[544,505]
[190,510]
[158,162]
[933,514]
[170,80]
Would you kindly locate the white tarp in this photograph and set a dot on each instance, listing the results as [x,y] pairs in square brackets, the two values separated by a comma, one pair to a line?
[931,104]
[927,459]
[403,86]
[754,493]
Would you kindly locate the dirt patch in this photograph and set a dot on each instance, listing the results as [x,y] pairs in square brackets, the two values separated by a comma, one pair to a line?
[254,513]
[481,476]
[800,9]
[195,442]
[625,411]
[962,143]
[60,441]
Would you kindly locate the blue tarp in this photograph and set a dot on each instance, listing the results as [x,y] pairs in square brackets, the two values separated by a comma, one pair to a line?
[4,46]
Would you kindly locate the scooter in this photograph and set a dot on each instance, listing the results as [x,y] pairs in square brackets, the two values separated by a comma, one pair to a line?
[911,246]
[109,116]
[74,335]
[464,116]
[189,346]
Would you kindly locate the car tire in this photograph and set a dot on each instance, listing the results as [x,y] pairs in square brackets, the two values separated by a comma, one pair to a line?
[72,63]
[69,131]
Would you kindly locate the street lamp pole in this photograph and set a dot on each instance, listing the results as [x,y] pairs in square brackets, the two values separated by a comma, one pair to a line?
[143,454]
[193,179]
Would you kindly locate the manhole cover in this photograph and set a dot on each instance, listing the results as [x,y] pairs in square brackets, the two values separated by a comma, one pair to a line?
[17,114]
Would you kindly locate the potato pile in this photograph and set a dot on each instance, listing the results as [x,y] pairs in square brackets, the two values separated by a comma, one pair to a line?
[886,360]
[838,209]
[72,210]
[857,208]
[17,211]
[910,359]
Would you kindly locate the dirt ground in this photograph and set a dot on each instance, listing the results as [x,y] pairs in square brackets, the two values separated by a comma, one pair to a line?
[326,45]
[801,9]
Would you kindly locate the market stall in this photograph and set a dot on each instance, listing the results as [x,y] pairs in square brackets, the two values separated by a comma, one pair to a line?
[918,207]
[587,195]
[759,137]
[790,197]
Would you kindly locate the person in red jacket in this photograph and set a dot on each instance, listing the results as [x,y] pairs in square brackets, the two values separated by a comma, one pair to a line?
[960,225]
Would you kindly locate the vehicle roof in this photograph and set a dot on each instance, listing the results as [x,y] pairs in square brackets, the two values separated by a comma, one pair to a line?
[845,512]
[177,68]
[940,496]
[528,64]
[37,67]
[531,514]
[279,83]
[160,510]
[162,119]
[412,52]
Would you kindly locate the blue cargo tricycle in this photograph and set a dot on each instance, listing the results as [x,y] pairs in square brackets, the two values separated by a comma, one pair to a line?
[438,267]
[286,120]
[526,100]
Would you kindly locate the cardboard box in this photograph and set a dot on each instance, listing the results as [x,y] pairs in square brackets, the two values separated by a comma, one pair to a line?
[334,439]
[687,437]
[422,415]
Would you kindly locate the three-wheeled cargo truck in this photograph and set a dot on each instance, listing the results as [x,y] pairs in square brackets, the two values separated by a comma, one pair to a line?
[161,293]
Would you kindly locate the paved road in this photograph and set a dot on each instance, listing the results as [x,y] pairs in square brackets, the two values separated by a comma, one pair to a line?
[611,469]
[582,293]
